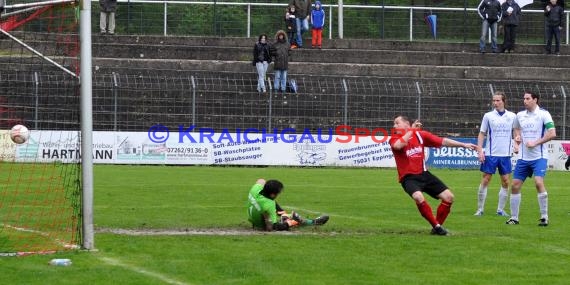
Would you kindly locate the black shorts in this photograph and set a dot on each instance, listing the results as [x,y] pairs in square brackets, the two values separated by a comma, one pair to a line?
[425,182]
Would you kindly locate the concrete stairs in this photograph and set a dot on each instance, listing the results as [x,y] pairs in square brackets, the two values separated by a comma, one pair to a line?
[338,58]
[151,77]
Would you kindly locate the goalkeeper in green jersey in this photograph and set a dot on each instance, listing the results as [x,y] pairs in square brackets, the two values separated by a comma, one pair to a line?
[265,214]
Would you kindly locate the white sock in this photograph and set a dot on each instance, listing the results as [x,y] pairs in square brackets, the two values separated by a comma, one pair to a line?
[543,205]
[503,195]
[515,204]
[481,198]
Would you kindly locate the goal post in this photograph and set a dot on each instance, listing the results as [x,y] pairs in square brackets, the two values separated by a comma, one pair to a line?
[88,241]
[46,183]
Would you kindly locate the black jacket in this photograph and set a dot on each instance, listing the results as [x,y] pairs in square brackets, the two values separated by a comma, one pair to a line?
[554,17]
[490,10]
[291,23]
[261,53]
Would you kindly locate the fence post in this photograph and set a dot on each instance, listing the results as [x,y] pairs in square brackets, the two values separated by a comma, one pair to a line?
[465,21]
[411,24]
[567,25]
[193,100]
[382,23]
[269,111]
[37,94]
[214,18]
[165,17]
[345,88]
[249,20]
[340,19]
[330,21]
[419,100]
[115,96]
[563,112]
[128,14]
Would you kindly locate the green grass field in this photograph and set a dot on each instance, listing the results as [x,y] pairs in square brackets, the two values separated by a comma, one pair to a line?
[375,235]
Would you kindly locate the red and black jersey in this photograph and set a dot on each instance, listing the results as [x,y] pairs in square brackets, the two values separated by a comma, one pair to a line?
[411,158]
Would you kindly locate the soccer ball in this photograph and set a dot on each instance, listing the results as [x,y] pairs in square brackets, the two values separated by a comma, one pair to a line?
[19,134]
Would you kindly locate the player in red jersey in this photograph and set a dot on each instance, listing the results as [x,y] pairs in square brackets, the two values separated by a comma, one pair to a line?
[408,142]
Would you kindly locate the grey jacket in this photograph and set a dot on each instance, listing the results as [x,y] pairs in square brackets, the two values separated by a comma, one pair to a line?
[302,8]
[515,17]
[108,6]
[280,51]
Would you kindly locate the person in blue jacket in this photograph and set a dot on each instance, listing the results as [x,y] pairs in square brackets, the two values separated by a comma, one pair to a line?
[318,22]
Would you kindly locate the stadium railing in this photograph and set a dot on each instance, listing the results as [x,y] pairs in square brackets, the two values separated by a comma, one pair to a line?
[212,18]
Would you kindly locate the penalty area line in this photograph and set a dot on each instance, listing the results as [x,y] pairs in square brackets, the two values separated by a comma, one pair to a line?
[188,232]
[161,277]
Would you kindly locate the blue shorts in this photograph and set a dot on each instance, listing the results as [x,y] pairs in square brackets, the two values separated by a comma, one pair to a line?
[503,163]
[525,168]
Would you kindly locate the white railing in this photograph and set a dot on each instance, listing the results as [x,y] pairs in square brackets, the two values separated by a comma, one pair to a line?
[340,29]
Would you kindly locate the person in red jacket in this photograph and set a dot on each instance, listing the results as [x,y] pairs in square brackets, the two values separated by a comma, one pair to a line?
[407,143]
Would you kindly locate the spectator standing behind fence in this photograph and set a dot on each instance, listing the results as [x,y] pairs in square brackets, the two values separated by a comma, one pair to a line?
[290,21]
[107,21]
[554,23]
[302,15]
[511,19]
[318,22]
[261,60]
[490,12]
[280,52]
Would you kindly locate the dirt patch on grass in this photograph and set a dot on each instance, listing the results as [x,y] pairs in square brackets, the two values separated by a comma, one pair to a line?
[188,232]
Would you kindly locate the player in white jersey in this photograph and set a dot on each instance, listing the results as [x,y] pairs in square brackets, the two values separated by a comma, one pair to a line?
[534,127]
[496,131]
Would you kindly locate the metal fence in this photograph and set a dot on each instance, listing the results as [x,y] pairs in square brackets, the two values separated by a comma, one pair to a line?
[357,21]
[451,108]
[137,101]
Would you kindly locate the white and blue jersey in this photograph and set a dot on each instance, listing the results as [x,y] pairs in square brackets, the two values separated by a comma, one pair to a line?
[533,126]
[498,129]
